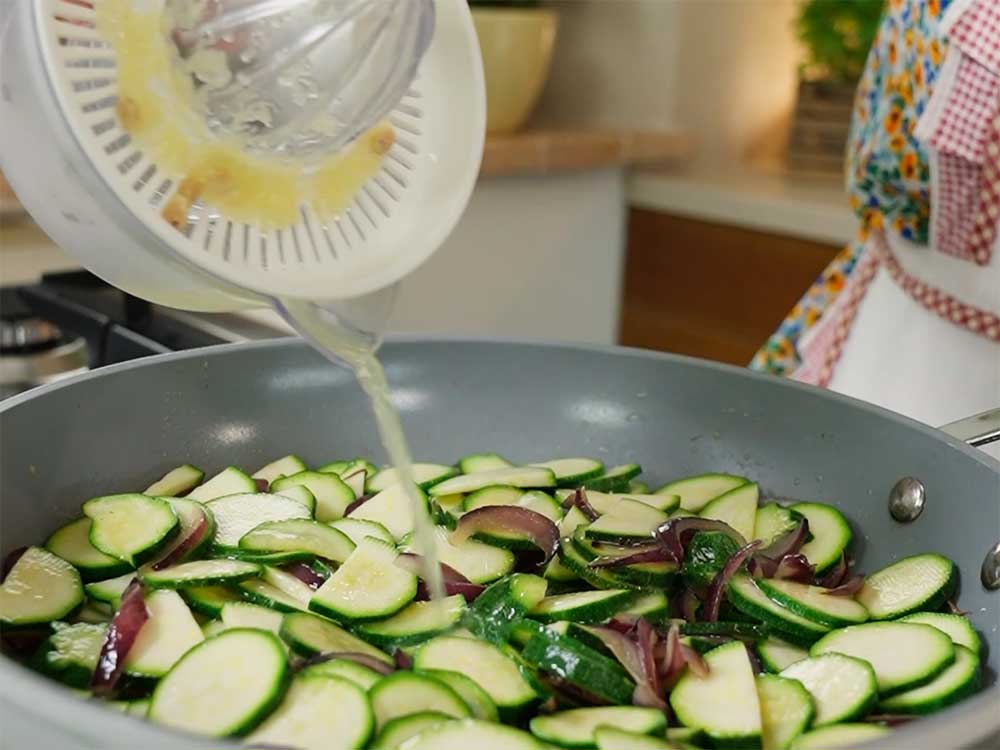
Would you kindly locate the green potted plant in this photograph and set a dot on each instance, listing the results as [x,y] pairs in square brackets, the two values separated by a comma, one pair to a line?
[517,38]
[836,36]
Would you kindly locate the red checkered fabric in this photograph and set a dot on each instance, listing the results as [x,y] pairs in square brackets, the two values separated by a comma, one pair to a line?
[955,207]
[976,32]
[986,217]
[972,103]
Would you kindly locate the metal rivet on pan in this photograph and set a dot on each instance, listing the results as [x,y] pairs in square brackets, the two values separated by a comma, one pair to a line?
[991,569]
[907,499]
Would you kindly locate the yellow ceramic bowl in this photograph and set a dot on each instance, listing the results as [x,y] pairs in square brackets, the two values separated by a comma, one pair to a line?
[517,47]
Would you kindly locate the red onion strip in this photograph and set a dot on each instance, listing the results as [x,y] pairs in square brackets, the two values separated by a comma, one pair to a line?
[689,605]
[718,588]
[836,575]
[454,582]
[510,519]
[676,534]
[694,661]
[790,543]
[848,588]
[579,499]
[365,660]
[646,554]
[307,575]
[185,546]
[358,503]
[262,485]
[118,641]
[624,649]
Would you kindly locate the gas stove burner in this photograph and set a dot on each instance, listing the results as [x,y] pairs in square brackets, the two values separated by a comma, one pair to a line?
[34,352]
[28,335]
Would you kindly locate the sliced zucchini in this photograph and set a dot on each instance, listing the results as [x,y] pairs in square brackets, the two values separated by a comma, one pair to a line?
[72,543]
[956,627]
[615,479]
[299,535]
[582,606]
[558,573]
[654,606]
[281,467]
[738,508]
[831,533]
[537,501]
[209,600]
[343,468]
[471,733]
[176,482]
[493,495]
[302,494]
[392,508]
[842,688]
[663,503]
[786,710]
[405,693]
[571,521]
[504,603]
[310,635]
[724,704]
[628,521]
[773,522]
[94,612]
[725,629]
[573,661]
[200,573]
[229,481]
[485,665]
[576,727]
[289,584]
[110,590]
[612,738]
[400,729]
[132,528]
[415,623]
[706,555]
[777,655]
[169,633]
[572,472]
[223,687]
[576,554]
[318,711]
[479,562]
[813,603]
[479,462]
[920,582]
[268,595]
[841,737]
[331,493]
[362,676]
[698,491]
[70,654]
[955,683]
[746,597]
[356,480]
[243,615]
[193,518]
[357,529]
[478,700]
[368,586]
[525,477]
[41,587]
[425,475]
[235,515]
[903,655]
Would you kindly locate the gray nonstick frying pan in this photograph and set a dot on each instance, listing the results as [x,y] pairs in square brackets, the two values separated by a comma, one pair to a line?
[123,426]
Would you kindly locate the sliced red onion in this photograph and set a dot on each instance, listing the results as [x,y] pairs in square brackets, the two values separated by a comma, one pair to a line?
[358,503]
[579,499]
[623,648]
[623,623]
[454,582]
[955,610]
[675,534]
[365,660]
[569,691]
[689,605]
[182,548]
[11,560]
[790,543]
[306,574]
[836,575]
[403,659]
[755,662]
[848,588]
[647,638]
[672,661]
[654,553]
[510,519]
[118,641]
[718,588]
[795,567]
[468,591]
[262,484]
[694,661]
[890,720]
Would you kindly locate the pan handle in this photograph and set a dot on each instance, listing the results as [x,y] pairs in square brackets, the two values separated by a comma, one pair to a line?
[979,430]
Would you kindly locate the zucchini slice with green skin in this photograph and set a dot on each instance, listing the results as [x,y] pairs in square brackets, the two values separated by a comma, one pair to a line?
[842,688]
[299,535]
[487,666]
[831,533]
[245,615]
[575,727]
[72,543]
[405,693]
[956,627]
[357,529]
[773,522]
[110,590]
[706,555]
[582,606]
[954,684]
[415,623]
[425,475]
[362,676]
[229,481]
[479,462]
[176,482]
[746,597]
[576,554]
[663,503]
[903,655]
[478,700]
[71,652]
[169,633]
[724,704]
[524,477]
[920,582]
[235,515]
[191,516]
[331,493]
[268,595]
[281,467]
[504,603]
[572,472]
[223,687]
[472,733]
[301,493]
[698,491]
[493,495]
[612,738]
[777,655]
[573,661]
[368,586]
[533,500]
[41,587]
[615,479]
[318,711]
[654,606]
[200,573]
[738,508]
[402,728]
[477,561]
[628,521]
[786,710]
[392,508]
[813,603]
[840,736]
[133,528]
[209,600]
[309,635]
